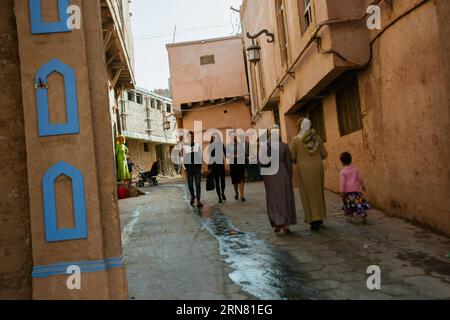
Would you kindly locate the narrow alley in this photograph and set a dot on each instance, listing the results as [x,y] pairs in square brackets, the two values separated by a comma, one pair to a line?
[229,251]
[118,116]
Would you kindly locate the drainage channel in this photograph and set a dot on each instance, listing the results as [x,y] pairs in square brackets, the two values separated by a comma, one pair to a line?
[259,269]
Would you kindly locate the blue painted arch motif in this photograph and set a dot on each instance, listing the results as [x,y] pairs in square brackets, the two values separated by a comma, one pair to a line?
[38,26]
[45,127]
[80,231]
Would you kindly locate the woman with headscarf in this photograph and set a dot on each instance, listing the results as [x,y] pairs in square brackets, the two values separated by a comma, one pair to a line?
[279,191]
[308,152]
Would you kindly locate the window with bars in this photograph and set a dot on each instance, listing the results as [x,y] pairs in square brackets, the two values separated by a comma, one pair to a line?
[348,105]
[308,13]
[317,118]
[131,96]
[305,10]
[207,60]
[282,33]
[168,108]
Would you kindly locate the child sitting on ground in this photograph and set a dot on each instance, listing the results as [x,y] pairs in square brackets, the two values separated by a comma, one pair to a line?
[355,206]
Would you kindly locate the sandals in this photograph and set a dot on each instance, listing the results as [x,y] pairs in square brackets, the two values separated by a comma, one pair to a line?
[285,229]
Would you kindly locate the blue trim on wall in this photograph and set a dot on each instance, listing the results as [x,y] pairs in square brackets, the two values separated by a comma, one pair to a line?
[38,26]
[72,125]
[52,233]
[85,266]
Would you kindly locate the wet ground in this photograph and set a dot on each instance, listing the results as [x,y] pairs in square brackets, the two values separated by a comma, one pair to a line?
[259,268]
[228,251]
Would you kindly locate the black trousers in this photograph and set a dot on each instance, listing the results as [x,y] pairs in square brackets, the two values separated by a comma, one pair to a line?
[194,172]
[218,172]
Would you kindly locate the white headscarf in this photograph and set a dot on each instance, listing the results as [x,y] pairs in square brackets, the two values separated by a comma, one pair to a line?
[304,128]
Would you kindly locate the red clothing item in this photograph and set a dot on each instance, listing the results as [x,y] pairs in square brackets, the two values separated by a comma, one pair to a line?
[350,180]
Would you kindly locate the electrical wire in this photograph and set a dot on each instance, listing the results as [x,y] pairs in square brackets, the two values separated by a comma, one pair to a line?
[183,30]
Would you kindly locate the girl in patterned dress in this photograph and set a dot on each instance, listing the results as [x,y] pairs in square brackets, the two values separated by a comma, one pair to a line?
[351,185]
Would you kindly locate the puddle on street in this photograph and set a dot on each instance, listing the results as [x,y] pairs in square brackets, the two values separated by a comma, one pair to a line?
[265,272]
[259,269]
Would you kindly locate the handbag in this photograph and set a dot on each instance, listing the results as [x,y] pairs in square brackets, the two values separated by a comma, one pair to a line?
[210,185]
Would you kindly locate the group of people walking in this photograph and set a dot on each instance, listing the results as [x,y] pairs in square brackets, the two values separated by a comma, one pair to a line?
[191,155]
[307,152]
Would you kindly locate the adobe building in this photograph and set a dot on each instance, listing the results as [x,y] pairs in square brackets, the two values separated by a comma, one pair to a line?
[209,83]
[381,94]
[149,124]
[58,202]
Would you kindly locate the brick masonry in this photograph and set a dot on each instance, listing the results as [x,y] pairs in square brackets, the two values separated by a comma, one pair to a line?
[15,234]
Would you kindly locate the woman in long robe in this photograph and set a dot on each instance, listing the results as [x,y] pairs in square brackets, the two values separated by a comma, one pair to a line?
[279,190]
[308,152]
[121,160]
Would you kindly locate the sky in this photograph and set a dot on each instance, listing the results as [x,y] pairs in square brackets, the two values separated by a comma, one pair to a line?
[153,25]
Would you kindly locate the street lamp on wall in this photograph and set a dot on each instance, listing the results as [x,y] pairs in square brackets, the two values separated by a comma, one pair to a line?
[254,51]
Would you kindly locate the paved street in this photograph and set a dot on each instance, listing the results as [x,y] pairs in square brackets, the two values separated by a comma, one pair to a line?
[229,251]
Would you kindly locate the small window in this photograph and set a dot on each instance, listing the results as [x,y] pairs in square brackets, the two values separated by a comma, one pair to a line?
[305,11]
[316,116]
[146,147]
[282,34]
[276,116]
[348,105]
[152,103]
[131,96]
[308,13]
[139,99]
[158,105]
[169,108]
[207,60]
[262,85]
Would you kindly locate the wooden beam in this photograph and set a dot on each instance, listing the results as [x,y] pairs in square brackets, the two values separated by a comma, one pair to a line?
[116,78]
[112,59]
[107,40]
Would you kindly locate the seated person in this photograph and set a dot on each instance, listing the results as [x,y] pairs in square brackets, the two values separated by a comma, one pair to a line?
[154,171]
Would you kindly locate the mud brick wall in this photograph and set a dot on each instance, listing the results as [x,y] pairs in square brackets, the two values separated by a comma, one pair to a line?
[15,234]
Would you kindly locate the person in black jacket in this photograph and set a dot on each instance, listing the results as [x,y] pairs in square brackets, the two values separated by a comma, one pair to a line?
[217,153]
[192,163]
[239,151]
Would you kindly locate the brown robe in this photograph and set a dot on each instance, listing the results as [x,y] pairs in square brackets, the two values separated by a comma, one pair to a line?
[280,192]
[311,179]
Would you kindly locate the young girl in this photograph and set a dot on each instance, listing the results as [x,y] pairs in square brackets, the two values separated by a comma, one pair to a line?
[355,206]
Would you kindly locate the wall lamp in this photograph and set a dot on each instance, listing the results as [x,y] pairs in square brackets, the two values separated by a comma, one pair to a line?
[254,51]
